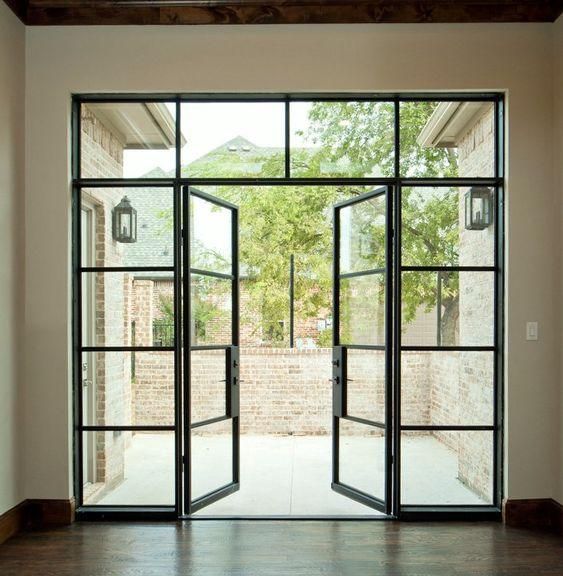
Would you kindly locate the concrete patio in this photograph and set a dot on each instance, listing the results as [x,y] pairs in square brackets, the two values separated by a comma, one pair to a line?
[288,475]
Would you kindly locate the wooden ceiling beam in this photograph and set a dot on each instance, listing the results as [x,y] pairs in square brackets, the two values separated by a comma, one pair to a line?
[19,8]
[192,12]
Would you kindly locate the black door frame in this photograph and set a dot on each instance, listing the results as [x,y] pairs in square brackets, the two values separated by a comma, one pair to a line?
[496,182]
[232,360]
[340,353]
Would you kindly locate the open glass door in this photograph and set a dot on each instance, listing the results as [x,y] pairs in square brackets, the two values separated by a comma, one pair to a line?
[362,361]
[211,339]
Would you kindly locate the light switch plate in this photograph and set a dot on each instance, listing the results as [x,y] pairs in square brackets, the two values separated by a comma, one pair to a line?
[531,330]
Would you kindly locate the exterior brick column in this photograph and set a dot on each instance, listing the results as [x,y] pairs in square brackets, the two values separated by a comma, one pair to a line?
[144,311]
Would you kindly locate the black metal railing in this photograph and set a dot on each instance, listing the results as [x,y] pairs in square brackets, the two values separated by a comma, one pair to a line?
[162,334]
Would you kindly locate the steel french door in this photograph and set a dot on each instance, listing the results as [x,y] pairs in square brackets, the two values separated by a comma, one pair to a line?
[362,355]
[211,353]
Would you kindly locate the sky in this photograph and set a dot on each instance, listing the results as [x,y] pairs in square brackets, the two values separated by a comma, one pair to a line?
[206,126]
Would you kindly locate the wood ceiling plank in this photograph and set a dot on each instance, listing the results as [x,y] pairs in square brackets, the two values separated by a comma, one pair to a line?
[19,8]
[191,12]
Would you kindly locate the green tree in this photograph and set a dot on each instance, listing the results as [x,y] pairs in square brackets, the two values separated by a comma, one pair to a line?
[354,139]
[206,313]
[275,223]
[363,134]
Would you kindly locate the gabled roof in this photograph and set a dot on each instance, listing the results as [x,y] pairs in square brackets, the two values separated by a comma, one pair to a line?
[154,246]
[238,147]
[236,157]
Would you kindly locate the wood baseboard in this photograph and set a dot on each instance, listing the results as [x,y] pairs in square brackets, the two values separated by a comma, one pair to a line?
[12,522]
[44,513]
[535,514]
[34,515]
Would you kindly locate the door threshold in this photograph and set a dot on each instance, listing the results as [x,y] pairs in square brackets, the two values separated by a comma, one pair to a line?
[286,517]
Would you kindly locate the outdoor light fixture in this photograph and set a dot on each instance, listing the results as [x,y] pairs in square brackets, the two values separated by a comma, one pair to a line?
[125,222]
[478,208]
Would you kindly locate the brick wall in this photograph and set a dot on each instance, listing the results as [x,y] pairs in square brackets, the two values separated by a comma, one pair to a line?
[102,156]
[283,391]
[461,383]
[102,151]
[143,311]
[286,391]
[476,154]
[153,389]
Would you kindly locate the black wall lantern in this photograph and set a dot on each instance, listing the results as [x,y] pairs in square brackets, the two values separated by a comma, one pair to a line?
[125,222]
[478,208]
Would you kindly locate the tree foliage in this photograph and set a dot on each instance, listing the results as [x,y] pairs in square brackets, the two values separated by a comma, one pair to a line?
[357,139]
[352,139]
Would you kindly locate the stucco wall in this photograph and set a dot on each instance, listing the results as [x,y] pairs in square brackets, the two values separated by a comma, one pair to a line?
[12,121]
[515,58]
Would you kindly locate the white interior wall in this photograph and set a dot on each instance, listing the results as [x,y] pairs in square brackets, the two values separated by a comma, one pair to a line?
[333,58]
[558,179]
[12,77]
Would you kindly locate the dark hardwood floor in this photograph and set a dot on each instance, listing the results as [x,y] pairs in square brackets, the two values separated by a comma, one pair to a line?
[253,548]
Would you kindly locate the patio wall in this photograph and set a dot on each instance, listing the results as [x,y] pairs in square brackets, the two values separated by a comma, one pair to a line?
[285,391]
[288,392]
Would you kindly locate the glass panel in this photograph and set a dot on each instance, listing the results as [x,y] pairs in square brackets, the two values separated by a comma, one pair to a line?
[154,245]
[447,139]
[128,140]
[129,309]
[233,139]
[362,457]
[349,139]
[260,200]
[362,235]
[453,468]
[275,223]
[129,468]
[366,384]
[447,388]
[208,384]
[211,240]
[212,457]
[211,321]
[362,310]
[448,308]
[434,232]
[128,388]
